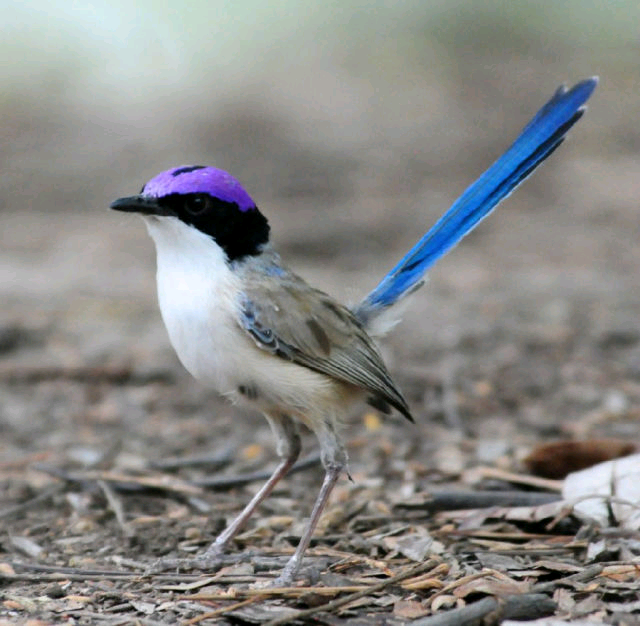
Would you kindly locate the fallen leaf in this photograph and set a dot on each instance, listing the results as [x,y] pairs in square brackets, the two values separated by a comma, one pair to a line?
[491,585]
[610,489]
[409,609]
[444,601]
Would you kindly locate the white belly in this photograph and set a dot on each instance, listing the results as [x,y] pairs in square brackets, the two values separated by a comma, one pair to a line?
[203,345]
[200,319]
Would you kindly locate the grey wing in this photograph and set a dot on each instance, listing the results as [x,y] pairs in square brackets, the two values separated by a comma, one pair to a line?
[290,319]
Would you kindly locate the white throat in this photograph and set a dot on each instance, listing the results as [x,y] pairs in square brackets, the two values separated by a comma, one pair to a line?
[198,297]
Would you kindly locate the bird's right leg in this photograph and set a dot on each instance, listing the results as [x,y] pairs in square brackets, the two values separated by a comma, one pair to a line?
[334,459]
[288,449]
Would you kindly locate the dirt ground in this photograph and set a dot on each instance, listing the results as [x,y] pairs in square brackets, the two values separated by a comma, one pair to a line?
[525,334]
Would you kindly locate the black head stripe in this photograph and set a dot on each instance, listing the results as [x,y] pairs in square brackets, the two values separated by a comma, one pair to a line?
[239,233]
[187,169]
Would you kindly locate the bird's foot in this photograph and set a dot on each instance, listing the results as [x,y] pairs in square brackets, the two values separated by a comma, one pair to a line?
[287,575]
[279,582]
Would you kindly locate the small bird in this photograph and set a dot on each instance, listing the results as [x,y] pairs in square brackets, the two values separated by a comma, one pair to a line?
[244,324]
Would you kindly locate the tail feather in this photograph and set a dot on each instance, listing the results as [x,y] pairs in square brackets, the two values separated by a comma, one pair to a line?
[544,133]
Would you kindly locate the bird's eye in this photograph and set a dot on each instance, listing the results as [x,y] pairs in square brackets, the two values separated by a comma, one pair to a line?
[196,205]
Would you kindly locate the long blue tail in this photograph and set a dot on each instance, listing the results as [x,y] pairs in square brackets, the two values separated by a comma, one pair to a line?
[544,133]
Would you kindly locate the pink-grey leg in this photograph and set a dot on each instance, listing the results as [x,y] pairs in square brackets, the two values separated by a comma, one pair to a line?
[334,459]
[288,448]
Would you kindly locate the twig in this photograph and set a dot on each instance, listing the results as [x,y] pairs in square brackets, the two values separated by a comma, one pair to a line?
[288,592]
[340,602]
[56,577]
[459,582]
[520,479]
[538,552]
[493,611]
[586,574]
[24,461]
[43,573]
[227,482]
[514,537]
[113,375]
[164,482]
[123,481]
[18,509]
[116,506]
[212,462]
[221,611]
[460,500]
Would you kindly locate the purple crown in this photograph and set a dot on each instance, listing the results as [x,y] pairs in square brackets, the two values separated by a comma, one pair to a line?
[199,179]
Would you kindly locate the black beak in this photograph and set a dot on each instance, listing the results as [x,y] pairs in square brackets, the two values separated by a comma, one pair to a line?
[144,205]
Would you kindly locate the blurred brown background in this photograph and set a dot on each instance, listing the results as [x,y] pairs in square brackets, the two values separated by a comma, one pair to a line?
[354,126]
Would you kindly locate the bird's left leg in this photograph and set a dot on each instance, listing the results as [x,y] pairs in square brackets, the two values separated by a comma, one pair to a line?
[334,459]
[288,449]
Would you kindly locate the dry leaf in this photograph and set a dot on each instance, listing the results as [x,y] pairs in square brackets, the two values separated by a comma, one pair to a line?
[492,586]
[610,489]
[444,601]
[6,569]
[415,547]
[409,609]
